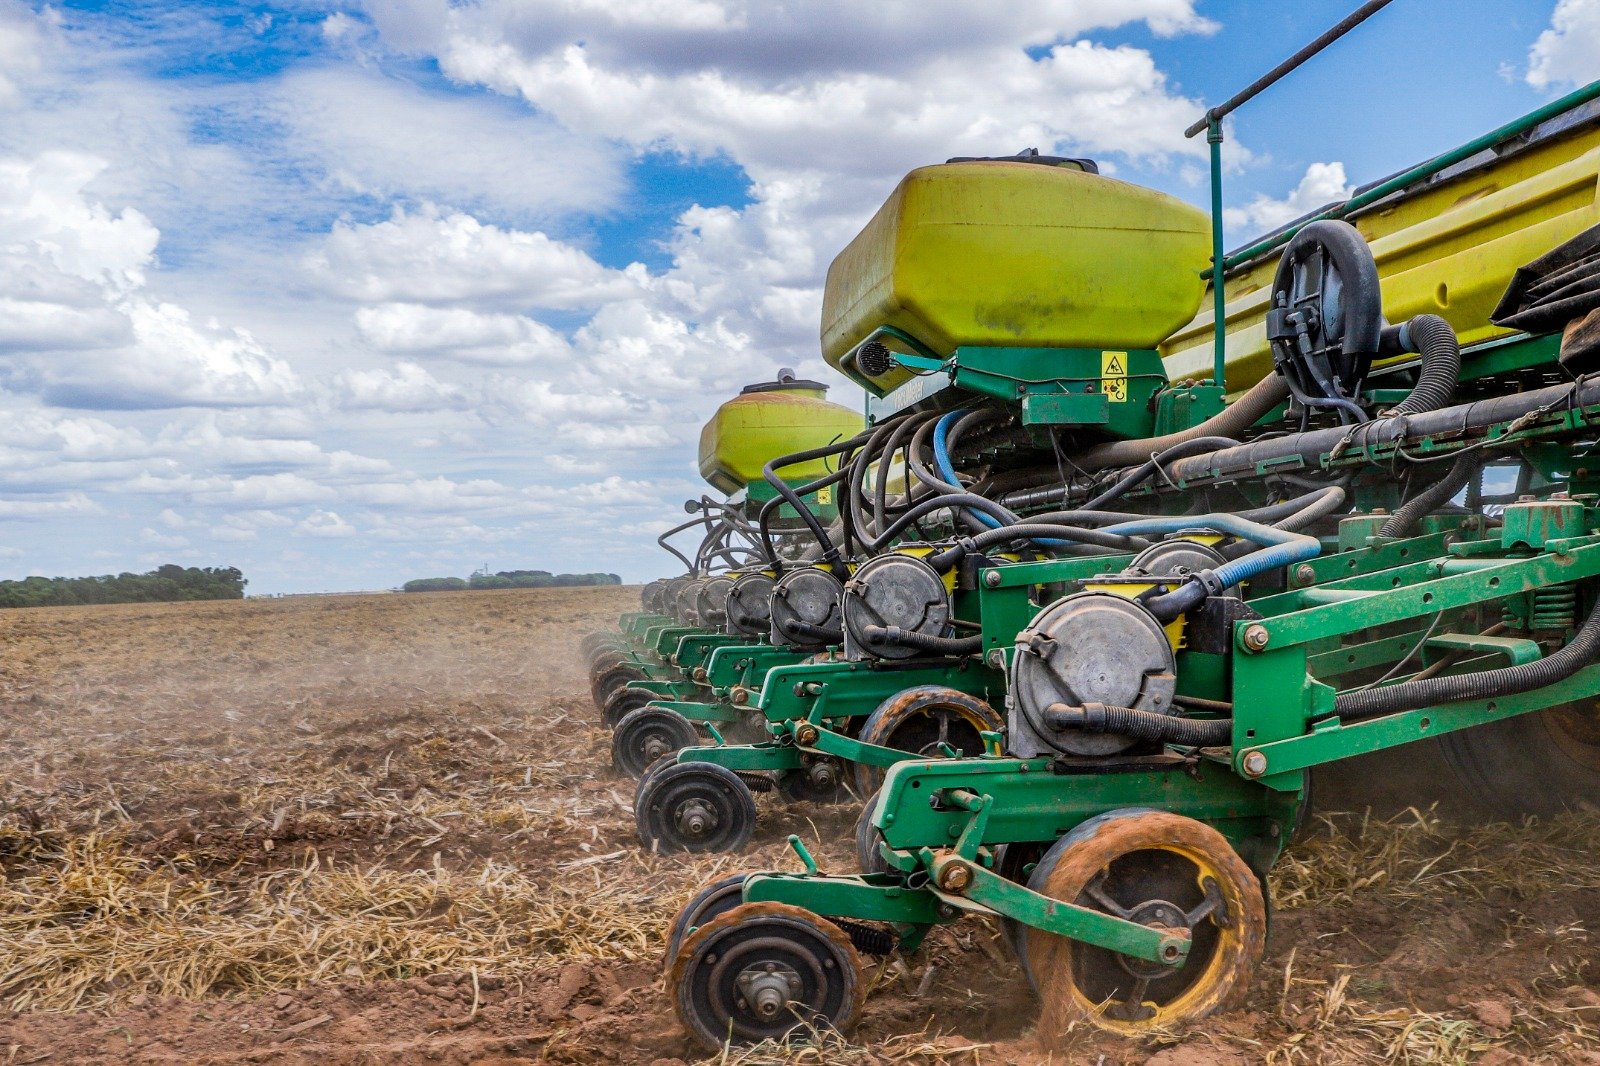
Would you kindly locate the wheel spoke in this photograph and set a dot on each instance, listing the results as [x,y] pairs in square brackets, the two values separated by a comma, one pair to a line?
[1096,890]
[1212,904]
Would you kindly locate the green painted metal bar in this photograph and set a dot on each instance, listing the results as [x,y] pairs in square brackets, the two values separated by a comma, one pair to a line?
[1219,296]
[995,895]
[746,756]
[1333,741]
[868,899]
[1415,597]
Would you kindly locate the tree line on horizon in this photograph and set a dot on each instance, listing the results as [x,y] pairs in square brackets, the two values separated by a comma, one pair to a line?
[164,584]
[509,579]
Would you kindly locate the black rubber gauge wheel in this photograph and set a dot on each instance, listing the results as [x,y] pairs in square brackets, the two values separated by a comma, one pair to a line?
[645,735]
[765,971]
[694,806]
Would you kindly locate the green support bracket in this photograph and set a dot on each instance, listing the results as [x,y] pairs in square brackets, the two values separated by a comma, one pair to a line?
[987,892]
[746,757]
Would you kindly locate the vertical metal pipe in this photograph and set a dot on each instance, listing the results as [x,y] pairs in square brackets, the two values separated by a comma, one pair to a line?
[1219,351]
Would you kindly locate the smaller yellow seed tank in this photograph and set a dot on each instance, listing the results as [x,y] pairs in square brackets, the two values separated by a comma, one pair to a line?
[769,419]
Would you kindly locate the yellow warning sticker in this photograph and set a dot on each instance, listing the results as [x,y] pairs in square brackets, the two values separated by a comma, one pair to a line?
[1114,376]
[825,495]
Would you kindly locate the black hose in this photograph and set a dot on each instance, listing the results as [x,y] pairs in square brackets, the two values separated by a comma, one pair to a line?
[1408,514]
[1143,471]
[806,631]
[830,552]
[1432,338]
[1145,725]
[936,503]
[1581,651]
[908,638]
[1112,543]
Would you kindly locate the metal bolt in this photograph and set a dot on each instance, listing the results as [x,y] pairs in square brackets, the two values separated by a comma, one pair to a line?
[805,734]
[739,696]
[1305,573]
[955,877]
[1255,764]
[1255,638]
[700,674]
[992,579]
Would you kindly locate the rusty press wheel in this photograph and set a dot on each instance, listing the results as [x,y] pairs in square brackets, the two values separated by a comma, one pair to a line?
[765,971]
[920,720]
[645,735]
[1158,869]
[718,897]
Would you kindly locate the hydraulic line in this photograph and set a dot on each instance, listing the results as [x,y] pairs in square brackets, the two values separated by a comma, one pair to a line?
[951,501]
[1581,651]
[1098,541]
[1146,725]
[830,551]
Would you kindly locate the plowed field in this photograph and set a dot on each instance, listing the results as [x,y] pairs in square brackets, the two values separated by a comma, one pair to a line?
[384,829]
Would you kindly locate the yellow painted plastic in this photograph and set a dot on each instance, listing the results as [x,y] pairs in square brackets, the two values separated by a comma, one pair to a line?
[1017,254]
[753,427]
[1449,251]
[1134,588]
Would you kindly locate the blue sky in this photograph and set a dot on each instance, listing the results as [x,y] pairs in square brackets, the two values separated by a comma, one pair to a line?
[345,293]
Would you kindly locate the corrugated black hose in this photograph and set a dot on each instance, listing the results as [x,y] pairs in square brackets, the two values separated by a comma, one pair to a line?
[1408,514]
[1146,725]
[1434,339]
[1581,651]
[907,638]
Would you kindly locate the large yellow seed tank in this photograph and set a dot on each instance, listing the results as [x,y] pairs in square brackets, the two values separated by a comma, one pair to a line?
[770,419]
[1007,254]
[1448,248]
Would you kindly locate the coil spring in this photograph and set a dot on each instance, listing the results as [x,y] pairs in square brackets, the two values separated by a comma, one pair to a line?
[758,782]
[867,939]
[1555,607]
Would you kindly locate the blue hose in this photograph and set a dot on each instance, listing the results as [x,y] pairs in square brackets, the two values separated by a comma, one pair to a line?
[1280,547]
[947,470]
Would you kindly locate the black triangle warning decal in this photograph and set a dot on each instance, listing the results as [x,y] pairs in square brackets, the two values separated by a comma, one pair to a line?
[1114,367]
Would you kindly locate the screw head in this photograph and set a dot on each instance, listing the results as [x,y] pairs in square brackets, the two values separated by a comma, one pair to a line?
[806,734]
[1305,573]
[1255,764]
[1255,638]
[739,696]
[992,579]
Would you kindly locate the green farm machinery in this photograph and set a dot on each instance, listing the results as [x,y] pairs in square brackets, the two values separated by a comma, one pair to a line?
[1124,560]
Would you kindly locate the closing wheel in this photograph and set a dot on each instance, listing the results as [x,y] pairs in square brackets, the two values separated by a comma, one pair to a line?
[694,806]
[1161,870]
[765,971]
[718,897]
[604,683]
[623,700]
[868,858]
[920,720]
[820,780]
[599,640]
[645,735]
[1536,763]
